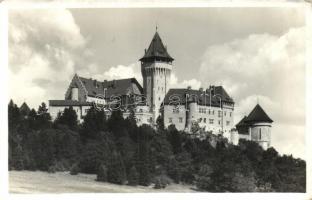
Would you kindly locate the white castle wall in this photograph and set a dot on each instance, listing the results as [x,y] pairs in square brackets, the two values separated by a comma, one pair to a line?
[174,117]
[211,118]
[261,133]
[81,111]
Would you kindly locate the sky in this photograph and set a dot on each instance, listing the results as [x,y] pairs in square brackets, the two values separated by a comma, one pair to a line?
[257,54]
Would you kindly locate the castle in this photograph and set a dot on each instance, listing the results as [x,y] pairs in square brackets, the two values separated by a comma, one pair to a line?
[212,108]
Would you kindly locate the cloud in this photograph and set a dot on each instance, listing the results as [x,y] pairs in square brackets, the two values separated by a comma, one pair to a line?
[44,48]
[268,69]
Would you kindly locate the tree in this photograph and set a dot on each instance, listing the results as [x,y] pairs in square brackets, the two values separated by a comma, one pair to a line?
[133,177]
[102,173]
[94,123]
[14,116]
[116,171]
[43,117]
[204,181]
[116,124]
[174,138]
[68,118]
[160,123]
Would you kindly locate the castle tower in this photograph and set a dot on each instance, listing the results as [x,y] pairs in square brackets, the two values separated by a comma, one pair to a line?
[156,66]
[259,127]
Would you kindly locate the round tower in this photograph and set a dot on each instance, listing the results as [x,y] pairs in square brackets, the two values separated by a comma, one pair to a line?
[260,127]
[156,66]
[190,116]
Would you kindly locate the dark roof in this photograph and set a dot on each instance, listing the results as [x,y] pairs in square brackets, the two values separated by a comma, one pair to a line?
[242,122]
[24,108]
[156,51]
[198,96]
[258,115]
[68,103]
[114,87]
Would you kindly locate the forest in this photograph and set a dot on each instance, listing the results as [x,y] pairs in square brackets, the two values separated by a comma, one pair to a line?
[120,152]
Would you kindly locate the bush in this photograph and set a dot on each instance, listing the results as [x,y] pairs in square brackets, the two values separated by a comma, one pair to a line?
[162,181]
[75,169]
[61,166]
[102,173]
[52,169]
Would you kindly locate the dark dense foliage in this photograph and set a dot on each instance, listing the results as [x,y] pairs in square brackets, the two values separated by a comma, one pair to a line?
[120,152]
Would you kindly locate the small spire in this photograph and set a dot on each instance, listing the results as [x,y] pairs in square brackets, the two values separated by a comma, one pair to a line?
[257,100]
[156,26]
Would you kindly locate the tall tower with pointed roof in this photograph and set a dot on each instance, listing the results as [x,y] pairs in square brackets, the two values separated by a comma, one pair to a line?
[156,67]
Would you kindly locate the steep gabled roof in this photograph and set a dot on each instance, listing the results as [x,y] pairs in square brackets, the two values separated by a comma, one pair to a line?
[221,91]
[199,96]
[156,51]
[242,122]
[113,87]
[258,115]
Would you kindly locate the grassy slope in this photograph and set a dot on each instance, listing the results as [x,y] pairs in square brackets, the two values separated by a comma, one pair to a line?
[63,182]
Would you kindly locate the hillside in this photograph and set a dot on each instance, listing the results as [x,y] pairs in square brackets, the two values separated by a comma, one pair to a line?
[26,182]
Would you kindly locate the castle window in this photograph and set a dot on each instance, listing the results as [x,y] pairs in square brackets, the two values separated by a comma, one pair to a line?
[170,120]
[209,112]
[219,122]
[213,112]
[230,114]
[228,123]
[260,133]
[180,119]
[204,120]
[175,109]
[210,121]
[224,113]
[219,113]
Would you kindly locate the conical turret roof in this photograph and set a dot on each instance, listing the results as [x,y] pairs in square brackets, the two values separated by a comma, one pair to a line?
[156,51]
[258,115]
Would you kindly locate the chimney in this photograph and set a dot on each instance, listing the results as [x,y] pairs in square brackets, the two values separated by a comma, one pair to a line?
[189,87]
[212,89]
[201,89]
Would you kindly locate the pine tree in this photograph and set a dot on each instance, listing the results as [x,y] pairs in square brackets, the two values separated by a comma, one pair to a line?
[94,122]
[68,118]
[133,177]
[116,170]
[43,117]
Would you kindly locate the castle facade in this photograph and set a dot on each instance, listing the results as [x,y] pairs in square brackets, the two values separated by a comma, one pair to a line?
[211,109]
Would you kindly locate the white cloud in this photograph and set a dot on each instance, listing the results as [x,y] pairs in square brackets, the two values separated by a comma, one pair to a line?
[268,69]
[44,46]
